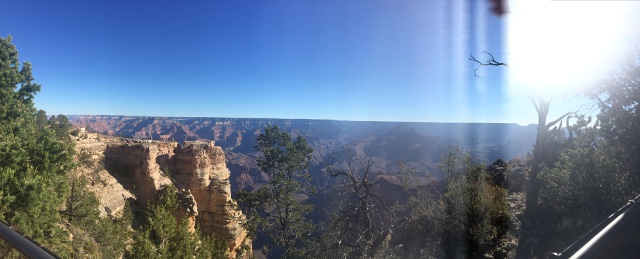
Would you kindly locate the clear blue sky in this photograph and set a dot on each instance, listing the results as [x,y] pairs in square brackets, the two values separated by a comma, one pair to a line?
[344,60]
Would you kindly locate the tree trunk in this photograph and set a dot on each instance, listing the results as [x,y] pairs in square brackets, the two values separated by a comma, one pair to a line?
[533,191]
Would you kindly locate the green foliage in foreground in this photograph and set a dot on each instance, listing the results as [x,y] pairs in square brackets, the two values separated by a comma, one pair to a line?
[34,158]
[164,236]
[44,200]
[476,214]
[94,236]
[587,184]
[272,209]
[468,219]
[618,98]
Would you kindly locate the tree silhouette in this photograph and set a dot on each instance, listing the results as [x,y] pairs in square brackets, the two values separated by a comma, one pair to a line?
[542,109]
[362,222]
[490,62]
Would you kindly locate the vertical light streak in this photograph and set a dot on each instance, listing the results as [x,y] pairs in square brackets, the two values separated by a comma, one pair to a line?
[480,43]
[459,54]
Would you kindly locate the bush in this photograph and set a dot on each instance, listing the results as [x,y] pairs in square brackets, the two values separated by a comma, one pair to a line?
[476,214]
[468,220]
[75,132]
[586,185]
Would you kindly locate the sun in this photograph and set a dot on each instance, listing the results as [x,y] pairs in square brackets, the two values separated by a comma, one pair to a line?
[556,47]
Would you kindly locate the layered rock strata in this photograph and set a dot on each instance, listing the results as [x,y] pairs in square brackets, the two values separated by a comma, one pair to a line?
[200,169]
[197,169]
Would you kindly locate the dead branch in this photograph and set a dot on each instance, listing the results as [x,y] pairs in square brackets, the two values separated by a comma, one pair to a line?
[489,62]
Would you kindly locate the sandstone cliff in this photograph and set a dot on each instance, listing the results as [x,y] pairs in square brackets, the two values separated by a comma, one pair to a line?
[138,169]
[110,191]
[200,169]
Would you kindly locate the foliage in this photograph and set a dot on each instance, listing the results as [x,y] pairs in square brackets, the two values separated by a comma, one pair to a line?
[142,246]
[475,211]
[85,160]
[596,169]
[101,237]
[37,192]
[61,126]
[160,227]
[618,98]
[211,248]
[75,132]
[112,234]
[164,236]
[34,160]
[425,213]
[94,236]
[272,209]
[592,172]
[81,204]
[587,184]
[361,224]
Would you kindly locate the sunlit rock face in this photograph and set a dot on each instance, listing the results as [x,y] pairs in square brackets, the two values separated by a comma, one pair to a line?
[134,163]
[109,190]
[200,168]
[197,169]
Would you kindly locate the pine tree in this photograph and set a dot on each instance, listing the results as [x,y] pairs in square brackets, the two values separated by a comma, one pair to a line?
[272,209]
[618,98]
[162,235]
[33,162]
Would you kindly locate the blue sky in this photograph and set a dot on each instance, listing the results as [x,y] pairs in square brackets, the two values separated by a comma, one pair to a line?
[344,60]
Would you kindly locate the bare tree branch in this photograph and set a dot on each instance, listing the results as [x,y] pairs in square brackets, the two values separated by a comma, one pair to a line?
[362,219]
[489,62]
[550,124]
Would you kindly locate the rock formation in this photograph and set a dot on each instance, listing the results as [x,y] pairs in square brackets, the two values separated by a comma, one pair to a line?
[110,191]
[198,171]
[201,170]
[138,161]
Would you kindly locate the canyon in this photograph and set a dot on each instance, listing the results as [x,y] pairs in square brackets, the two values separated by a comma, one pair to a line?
[418,145]
[209,159]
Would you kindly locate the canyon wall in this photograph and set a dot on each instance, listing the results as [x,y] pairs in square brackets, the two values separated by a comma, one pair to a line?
[197,169]
[200,170]
[136,164]
[418,144]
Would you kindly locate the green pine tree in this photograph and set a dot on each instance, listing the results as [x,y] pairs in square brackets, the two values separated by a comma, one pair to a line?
[33,161]
[272,209]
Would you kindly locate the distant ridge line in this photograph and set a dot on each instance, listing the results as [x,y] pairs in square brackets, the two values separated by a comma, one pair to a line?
[297,119]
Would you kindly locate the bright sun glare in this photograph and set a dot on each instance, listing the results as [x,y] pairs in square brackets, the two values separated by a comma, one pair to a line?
[555,47]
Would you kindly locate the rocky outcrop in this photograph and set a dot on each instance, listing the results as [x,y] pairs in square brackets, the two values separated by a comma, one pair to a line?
[109,190]
[137,161]
[200,169]
[518,175]
[197,169]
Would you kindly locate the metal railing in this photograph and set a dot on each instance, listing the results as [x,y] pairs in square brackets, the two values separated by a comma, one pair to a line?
[607,235]
[26,246]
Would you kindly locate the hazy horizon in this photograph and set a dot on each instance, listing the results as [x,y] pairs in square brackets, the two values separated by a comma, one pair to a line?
[274,118]
[356,60]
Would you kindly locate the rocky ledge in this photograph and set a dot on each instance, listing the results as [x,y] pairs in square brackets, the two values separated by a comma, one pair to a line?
[138,169]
